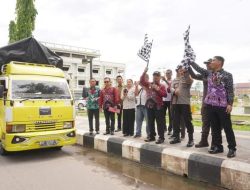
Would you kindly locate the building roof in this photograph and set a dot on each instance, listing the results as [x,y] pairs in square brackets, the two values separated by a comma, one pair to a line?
[72,49]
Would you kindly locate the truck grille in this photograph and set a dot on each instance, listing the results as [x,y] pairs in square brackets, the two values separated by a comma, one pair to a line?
[44,127]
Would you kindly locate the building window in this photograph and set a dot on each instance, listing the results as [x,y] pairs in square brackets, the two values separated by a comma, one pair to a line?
[65,68]
[78,56]
[96,71]
[120,72]
[109,71]
[81,82]
[81,70]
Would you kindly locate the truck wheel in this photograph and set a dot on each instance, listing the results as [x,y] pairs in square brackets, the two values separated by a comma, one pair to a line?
[2,150]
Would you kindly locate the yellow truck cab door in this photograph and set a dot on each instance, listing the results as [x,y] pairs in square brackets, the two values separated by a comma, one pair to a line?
[3,93]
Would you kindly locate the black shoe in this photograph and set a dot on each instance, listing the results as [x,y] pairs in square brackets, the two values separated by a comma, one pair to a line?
[175,140]
[97,132]
[106,133]
[190,143]
[159,141]
[231,153]
[169,133]
[91,133]
[112,133]
[202,144]
[149,140]
[137,136]
[125,135]
[117,130]
[212,147]
[172,136]
[216,150]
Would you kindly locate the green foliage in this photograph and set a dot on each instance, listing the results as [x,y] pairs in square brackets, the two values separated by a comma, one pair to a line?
[25,20]
[12,31]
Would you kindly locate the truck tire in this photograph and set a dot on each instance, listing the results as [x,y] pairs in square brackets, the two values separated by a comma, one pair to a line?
[3,152]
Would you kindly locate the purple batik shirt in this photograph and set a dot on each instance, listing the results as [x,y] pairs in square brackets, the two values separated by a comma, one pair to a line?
[216,92]
[220,90]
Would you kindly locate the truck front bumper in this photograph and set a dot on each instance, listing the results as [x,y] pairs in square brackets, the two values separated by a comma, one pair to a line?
[37,140]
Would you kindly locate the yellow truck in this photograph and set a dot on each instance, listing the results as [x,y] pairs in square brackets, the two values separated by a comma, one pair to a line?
[36,108]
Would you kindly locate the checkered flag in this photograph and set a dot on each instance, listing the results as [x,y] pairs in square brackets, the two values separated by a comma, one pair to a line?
[189,55]
[145,51]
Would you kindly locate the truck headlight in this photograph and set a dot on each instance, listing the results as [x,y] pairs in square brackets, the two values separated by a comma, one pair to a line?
[19,128]
[68,125]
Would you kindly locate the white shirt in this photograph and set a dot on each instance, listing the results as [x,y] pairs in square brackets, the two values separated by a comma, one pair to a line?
[142,97]
[129,100]
[169,95]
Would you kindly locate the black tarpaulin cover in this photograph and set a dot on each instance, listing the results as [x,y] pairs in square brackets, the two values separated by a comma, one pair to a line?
[31,51]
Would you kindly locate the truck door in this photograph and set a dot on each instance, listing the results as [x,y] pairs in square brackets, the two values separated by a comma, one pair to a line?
[3,96]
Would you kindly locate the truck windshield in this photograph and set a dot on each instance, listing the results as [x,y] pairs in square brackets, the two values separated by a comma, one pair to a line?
[36,89]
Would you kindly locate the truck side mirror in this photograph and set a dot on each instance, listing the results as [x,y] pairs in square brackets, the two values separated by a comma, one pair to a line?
[1,91]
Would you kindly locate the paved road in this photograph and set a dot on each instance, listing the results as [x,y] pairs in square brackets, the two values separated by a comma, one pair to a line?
[242,139]
[75,168]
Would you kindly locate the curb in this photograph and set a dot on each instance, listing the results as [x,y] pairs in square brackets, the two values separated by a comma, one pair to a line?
[226,173]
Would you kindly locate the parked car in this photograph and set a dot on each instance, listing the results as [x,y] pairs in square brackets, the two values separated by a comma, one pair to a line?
[80,103]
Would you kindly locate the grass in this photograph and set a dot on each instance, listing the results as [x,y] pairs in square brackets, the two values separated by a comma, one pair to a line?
[197,123]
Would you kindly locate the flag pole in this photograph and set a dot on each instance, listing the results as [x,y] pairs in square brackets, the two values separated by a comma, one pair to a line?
[147,63]
[150,53]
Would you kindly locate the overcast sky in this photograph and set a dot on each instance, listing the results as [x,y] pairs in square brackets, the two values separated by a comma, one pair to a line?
[117,28]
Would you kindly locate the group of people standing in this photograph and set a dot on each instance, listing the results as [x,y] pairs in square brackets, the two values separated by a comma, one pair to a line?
[150,101]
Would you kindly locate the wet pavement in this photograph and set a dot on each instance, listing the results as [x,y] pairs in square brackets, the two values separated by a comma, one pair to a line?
[242,140]
[75,167]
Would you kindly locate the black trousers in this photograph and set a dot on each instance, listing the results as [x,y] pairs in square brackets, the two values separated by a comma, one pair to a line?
[205,120]
[91,114]
[167,108]
[157,115]
[128,122]
[183,110]
[109,120]
[119,118]
[220,119]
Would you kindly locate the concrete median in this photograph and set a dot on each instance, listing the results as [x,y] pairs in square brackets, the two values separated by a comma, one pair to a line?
[230,174]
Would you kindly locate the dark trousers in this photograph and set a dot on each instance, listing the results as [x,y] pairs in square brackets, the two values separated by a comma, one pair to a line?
[183,110]
[220,119]
[205,120]
[167,107]
[157,115]
[109,120]
[128,122]
[91,114]
[183,128]
[119,118]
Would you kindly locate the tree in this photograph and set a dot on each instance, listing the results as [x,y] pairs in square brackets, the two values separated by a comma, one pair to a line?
[25,20]
[12,31]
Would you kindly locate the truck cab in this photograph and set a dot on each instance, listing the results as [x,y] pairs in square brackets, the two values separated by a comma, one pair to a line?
[36,108]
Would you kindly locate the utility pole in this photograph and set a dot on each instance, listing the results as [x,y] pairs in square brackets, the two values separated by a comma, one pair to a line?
[91,67]
[90,61]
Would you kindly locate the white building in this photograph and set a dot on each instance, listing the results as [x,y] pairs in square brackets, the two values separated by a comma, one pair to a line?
[76,65]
